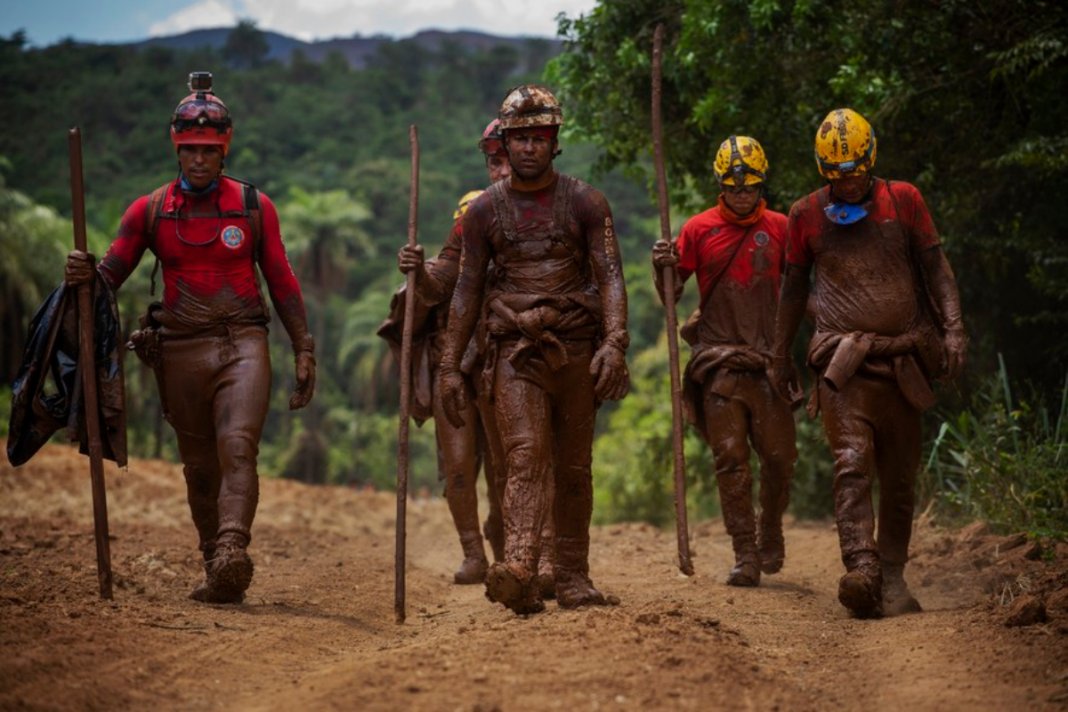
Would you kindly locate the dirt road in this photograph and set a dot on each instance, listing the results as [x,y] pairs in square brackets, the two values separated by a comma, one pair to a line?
[317,631]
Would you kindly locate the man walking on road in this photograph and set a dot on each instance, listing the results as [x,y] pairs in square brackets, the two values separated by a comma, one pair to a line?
[736,249]
[887,321]
[556,317]
[207,340]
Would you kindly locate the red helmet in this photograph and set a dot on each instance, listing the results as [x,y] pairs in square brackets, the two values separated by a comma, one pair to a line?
[492,143]
[202,118]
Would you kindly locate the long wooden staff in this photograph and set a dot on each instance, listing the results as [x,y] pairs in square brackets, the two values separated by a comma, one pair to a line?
[87,365]
[681,527]
[406,386]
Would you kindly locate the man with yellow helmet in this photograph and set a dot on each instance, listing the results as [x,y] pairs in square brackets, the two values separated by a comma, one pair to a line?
[736,249]
[556,319]
[887,322]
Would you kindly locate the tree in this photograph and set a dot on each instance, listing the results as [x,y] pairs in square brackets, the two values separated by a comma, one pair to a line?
[246,46]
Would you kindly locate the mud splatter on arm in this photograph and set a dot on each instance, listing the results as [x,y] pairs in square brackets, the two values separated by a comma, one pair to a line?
[607,267]
[470,283]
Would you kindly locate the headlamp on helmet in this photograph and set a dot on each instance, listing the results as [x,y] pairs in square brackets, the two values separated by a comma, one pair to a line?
[740,161]
[845,145]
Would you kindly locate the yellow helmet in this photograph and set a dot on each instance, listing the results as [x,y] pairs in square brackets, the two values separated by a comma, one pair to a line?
[740,161]
[465,201]
[530,105]
[845,143]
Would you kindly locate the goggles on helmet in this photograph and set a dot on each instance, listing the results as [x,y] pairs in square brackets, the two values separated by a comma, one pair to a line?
[739,168]
[201,112]
[846,167]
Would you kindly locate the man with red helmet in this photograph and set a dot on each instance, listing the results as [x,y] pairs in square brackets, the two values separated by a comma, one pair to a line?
[209,334]
[887,321]
[555,316]
[737,249]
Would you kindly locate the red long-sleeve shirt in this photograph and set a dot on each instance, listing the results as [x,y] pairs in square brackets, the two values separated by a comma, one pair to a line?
[208,255]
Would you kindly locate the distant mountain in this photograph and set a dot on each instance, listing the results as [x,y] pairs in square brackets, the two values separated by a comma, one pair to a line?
[356,49]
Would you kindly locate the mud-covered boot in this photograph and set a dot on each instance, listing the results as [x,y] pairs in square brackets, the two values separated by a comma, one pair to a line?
[746,571]
[473,568]
[772,548]
[897,598]
[513,586]
[203,592]
[573,585]
[229,570]
[861,589]
[546,576]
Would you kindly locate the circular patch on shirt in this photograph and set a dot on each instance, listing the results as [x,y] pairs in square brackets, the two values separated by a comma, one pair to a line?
[232,237]
[761,239]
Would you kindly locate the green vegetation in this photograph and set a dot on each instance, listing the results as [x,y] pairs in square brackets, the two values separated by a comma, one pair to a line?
[966,97]
[1003,461]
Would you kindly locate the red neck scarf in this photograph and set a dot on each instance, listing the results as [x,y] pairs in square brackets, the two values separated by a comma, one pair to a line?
[743,220]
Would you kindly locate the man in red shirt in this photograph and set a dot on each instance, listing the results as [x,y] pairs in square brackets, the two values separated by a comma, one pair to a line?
[209,233]
[887,321]
[736,249]
[555,315]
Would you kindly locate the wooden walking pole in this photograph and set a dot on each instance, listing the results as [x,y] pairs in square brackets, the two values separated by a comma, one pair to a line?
[681,527]
[87,366]
[406,386]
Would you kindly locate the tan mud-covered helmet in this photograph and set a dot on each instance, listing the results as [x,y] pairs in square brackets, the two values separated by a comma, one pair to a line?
[530,105]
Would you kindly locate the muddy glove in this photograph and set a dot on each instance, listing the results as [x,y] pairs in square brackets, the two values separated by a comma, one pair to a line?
[609,370]
[664,254]
[410,258]
[80,268]
[956,345]
[784,379]
[453,395]
[305,388]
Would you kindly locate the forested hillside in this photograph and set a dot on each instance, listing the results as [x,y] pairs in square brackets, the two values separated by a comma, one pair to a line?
[967,99]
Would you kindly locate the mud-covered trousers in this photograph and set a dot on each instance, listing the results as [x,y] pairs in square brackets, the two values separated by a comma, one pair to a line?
[873,432]
[461,451]
[752,413]
[545,420]
[215,391]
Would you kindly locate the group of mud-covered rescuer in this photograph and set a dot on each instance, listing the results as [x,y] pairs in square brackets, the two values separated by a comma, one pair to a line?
[524,335]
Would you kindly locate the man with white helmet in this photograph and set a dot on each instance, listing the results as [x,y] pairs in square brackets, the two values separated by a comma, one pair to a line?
[887,322]
[555,317]
[736,248]
[207,340]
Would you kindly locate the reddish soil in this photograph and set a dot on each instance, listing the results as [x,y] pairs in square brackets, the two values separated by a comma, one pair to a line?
[318,630]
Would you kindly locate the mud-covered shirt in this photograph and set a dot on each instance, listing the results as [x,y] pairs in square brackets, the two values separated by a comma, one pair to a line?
[748,262]
[208,253]
[865,275]
[541,259]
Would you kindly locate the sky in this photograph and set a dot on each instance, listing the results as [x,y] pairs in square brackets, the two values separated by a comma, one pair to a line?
[112,21]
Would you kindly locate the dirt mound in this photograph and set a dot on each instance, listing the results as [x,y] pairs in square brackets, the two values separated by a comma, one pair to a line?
[318,631]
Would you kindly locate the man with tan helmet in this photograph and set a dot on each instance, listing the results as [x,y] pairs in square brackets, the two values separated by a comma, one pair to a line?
[887,322]
[736,249]
[556,322]
[207,340]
